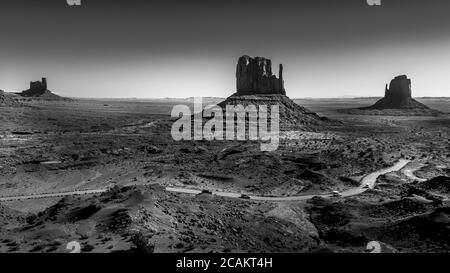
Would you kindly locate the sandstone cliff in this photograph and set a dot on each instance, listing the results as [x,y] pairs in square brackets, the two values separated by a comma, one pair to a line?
[254,76]
[256,85]
[398,96]
[38,90]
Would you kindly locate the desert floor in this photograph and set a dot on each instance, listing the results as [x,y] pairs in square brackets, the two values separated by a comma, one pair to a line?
[124,148]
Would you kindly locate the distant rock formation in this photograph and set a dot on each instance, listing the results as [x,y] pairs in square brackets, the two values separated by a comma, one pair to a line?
[398,96]
[397,101]
[38,89]
[255,85]
[291,114]
[254,76]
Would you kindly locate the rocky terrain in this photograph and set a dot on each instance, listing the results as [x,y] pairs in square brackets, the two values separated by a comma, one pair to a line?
[7,100]
[63,146]
[148,219]
[291,114]
[108,175]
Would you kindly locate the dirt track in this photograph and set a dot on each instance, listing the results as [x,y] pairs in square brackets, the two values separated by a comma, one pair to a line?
[369,179]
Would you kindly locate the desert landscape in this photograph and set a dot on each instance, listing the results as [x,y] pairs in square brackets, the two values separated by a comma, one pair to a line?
[107,174]
[246,129]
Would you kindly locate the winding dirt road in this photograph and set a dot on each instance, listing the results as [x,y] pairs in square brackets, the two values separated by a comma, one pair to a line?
[368,180]
[410,169]
[50,195]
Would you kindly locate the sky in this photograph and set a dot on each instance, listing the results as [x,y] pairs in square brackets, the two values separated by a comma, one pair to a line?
[187,48]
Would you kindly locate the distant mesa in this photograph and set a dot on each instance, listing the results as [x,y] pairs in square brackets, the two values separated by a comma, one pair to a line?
[397,101]
[398,96]
[38,89]
[256,85]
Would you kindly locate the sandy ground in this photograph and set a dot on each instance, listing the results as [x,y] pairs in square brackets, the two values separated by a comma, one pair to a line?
[54,147]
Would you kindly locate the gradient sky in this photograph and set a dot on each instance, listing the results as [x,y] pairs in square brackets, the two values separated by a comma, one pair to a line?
[185,48]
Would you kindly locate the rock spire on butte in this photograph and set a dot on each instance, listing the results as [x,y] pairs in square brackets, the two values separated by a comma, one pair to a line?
[256,85]
[397,101]
[38,90]
[254,76]
[398,96]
